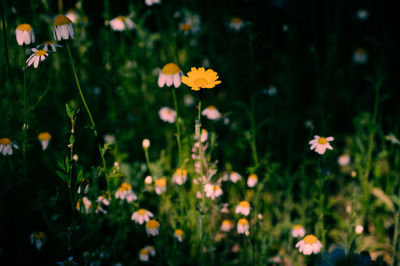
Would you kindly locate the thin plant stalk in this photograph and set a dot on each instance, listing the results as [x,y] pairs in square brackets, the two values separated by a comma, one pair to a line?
[146,154]
[253,134]
[93,125]
[178,129]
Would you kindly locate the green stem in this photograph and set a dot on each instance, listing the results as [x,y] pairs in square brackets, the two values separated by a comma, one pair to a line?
[253,134]
[25,118]
[321,207]
[146,153]
[93,125]
[178,129]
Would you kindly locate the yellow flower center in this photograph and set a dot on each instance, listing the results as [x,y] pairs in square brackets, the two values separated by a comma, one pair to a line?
[38,235]
[170,69]
[243,221]
[44,136]
[297,227]
[125,187]
[215,188]
[24,27]
[152,224]
[41,53]
[142,212]
[244,204]
[178,232]
[144,251]
[322,140]
[236,20]
[121,18]
[61,20]
[169,111]
[253,176]
[5,141]
[204,131]
[226,222]
[186,27]
[310,239]
[162,182]
[211,107]
[181,172]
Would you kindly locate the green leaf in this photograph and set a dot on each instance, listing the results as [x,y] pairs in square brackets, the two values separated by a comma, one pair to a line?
[62,175]
[79,176]
[61,164]
[70,112]
[67,164]
[72,139]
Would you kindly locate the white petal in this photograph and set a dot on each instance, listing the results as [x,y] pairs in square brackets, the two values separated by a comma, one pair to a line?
[168,80]
[20,39]
[161,80]
[36,62]
[27,38]
[177,80]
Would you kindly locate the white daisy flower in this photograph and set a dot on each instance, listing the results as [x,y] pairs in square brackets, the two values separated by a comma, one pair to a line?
[63,28]
[151,250]
[7,146]
[224,208]
[49,46]
[236,24]
[72,15]
[243,226]
[148,180]
[144,254]
[142,215]
[360,56]
[190,24]
[44,139]
[243,208]
[180,176]
[109,139]
[167,115]
[152,2]
[320,144]
[234,176]
[86,203]
[146,144]
[212,191]
[160,185]
[252,180]
[122,23]
[298,231]
[38,239]
[188,100]
[310,244]
[124,192]
[344,160]
[211,112]
[178,234]
[226,225]
[203,137]
[152,227]
[24,34]
[170,74]
[359,229]
[36,57]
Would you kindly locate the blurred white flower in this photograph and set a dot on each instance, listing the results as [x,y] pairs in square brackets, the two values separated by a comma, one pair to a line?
[180,176]
[142,215]
[72,15]
[167,115]
[122,23]
[146,144]
[359,229]
[360,56]
[236,24]
[234,176]
[188,100]
[178,234]
[44,139]
[7,146]
[320,144]
[38,239]
[310,244]
[226,225]
[298,231]
[24,34]
[170,74]
[212,191]
[243,208]
[36,57]
[243,226]
[344,159]
[125,192]
[152,227]
[252,180]
[148,180]
[211,112]
[160,185]
[152,2]
[49,46]
[362,14]
[63,28]
[109,139]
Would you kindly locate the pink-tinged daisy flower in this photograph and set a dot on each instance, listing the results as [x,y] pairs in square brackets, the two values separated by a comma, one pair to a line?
[360,56]
[212,191]
[36,57]
[211,112]
[180,176]
[226,225]
[152,227]
[38,239]
[243,208]
[152,2]
[234,177]
[7,146]
[344,159]
[309,245]
[142,215]
[170,74]
[298,231]
[252,180]
[243,226]
[236,24]
[146,144]
[24,34]
[44,139]
[178,234]
[320,144]
[167,115]
[160,185]
[144,254]
[86,203]
[122,23]
[63,28]
[125,192]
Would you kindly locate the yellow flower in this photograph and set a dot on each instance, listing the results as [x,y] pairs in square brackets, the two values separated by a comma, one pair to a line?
[201,79]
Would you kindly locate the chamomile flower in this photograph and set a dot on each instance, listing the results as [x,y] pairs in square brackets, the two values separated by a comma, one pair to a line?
[167,115]
[152,2]
[49,46]
[36,57]
[212,191]
[109,139]
[243,208]
[359,229]
[121,23]
[310,244]
[180,176]
[360,56]
[86,203]
[320,144]
[344,159]
[242,226]
[152,227]
[160,185]
[211,112]
[178,234]
[144,254]
[146,144]
[298,231]
[72,15]
[190,24]
[236,24]
[203,137]
[201,79]
[63,28]
[188,100]
[38,239]
[252,180]
[226,225]
[44,139]
[234,177]
[170,74]
[7,146]
[151,250]
[142,215]
[125,192]
[24,34]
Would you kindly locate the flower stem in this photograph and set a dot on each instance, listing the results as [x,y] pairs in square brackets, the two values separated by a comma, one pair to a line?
[93,125]
[178,129]
[321,207]
[25,118]
[253,134]
[146,154]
